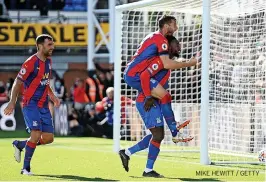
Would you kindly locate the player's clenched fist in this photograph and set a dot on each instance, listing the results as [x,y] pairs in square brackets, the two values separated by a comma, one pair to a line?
[193,61]
[149,103]
[55,100]
[9,108]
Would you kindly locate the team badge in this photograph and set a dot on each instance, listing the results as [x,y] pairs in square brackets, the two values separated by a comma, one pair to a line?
[155,67]
[164,46]
[35,123]
[152,81]
[22,71]
[158,120]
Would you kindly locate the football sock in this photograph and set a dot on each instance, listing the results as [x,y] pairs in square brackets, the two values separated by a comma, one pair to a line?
[40,142]
[154,149]
[29,150]
[141,145]
[148,170]
[168,114]
[22,144]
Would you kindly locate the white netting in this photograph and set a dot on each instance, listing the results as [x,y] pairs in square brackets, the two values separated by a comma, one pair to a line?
[237,106]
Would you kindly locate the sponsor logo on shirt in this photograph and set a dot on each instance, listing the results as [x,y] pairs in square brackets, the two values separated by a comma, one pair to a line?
[45,82]
[45,79]
[45,76]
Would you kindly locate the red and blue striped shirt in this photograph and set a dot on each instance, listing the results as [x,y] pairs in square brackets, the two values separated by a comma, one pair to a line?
[35,74]
[153,45]
[146,62]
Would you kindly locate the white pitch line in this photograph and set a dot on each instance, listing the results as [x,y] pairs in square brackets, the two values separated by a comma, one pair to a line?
[167,160]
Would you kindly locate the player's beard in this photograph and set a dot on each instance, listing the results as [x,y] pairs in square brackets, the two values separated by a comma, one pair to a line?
[170,31]
[49,53]
[171,56]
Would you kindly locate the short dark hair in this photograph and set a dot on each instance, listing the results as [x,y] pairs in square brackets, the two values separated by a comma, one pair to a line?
[165,20]
[41,38]
[171,38]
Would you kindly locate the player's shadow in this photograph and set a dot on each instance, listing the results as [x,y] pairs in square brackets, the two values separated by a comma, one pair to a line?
[73,178]
[141,177]
[201,179]
[182,179]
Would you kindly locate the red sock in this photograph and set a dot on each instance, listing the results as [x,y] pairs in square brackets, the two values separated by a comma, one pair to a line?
[40,142]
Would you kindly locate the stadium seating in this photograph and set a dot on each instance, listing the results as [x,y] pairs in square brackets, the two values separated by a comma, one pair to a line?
[70,5]
[75,5]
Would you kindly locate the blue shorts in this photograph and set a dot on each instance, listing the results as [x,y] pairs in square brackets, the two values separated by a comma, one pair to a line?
[153,118]
[38,119]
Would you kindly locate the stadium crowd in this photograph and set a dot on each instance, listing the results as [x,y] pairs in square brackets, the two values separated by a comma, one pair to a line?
[92,109]
[238,60]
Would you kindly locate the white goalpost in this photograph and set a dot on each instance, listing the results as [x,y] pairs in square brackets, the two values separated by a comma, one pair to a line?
[224,97]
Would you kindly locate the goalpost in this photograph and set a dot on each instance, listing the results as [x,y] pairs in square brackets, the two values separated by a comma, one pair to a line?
[224,97]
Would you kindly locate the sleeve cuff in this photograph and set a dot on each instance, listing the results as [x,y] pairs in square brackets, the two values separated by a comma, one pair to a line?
[20,79]
[163,53]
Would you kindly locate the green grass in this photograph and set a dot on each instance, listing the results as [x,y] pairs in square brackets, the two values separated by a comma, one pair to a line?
[92,159]
[17,134]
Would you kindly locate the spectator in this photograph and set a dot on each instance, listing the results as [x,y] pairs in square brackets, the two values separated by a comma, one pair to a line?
[60,89]
[58,4]
[4,16]
[9,85]
[23,4]
[94,88]
[42,6]
[75,128]
[106,127]
[3,92]
[108,105]
[106,76]
[95,114]
[80,97]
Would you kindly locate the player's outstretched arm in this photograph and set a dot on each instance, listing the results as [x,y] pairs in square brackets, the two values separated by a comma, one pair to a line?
[53,97]
[13,96]
[172,64]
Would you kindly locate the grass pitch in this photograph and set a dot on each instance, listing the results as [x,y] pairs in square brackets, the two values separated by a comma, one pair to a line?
[92,159]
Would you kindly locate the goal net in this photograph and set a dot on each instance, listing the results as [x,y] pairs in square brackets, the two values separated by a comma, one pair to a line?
[237,65]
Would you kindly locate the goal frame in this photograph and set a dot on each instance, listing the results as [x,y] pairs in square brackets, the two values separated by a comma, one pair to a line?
[117,49]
